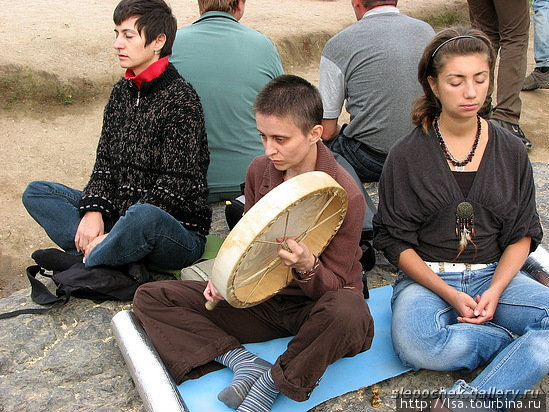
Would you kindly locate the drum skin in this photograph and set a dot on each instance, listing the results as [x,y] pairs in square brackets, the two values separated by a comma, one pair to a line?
[310,207]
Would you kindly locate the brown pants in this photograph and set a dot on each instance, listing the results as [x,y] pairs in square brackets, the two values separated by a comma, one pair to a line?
[506,23]
[188,337]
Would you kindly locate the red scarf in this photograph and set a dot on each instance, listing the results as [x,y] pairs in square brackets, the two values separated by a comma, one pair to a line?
[150,73]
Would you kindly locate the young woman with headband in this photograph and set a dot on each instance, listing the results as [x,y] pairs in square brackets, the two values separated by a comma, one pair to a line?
[457,215]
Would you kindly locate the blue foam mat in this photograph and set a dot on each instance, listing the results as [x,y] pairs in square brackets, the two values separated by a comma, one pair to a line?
[345,375]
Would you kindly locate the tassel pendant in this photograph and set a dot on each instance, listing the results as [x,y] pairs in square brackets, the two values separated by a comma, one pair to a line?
[465,226]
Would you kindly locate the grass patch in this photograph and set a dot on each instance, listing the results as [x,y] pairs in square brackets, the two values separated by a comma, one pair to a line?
[306,49]
[447,18]
[22,86]
[301,50]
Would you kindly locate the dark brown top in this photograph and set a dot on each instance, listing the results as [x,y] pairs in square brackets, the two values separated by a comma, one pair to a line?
[419,195]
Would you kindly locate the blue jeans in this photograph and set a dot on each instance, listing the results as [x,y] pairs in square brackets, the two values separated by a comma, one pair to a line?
[367,168]
[145,232]
[514,345]
[541,32]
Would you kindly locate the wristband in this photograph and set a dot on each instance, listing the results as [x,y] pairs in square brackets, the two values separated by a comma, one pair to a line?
[307,274]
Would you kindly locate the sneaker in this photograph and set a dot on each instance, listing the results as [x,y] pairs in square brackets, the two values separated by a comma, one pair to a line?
[516,130]
[536,80]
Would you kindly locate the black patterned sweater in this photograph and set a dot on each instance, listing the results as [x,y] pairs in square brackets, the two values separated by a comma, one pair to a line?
[153,149]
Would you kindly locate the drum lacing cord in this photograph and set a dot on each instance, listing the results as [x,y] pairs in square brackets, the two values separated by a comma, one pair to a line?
[263,272]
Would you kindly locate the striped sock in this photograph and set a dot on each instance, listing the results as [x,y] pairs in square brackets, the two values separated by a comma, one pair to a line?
[247,369]
[261,396]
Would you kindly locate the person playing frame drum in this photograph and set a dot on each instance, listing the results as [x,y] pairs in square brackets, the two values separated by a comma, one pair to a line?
[457,215]
[323,306]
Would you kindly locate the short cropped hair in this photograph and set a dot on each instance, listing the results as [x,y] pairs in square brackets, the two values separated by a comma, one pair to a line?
[291,96]
[227,6]
[155,18]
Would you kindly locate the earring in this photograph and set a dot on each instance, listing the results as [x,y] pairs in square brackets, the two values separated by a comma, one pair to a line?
[157,52]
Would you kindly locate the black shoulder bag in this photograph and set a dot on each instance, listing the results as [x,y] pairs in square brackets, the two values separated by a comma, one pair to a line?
[72,278]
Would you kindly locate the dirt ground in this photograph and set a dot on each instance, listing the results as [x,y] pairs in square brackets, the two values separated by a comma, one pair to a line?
[61,44]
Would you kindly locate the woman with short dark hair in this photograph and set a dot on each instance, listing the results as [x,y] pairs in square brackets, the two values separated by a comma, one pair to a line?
[146,198]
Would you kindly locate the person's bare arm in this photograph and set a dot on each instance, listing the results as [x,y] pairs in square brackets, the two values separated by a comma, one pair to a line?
[331,129]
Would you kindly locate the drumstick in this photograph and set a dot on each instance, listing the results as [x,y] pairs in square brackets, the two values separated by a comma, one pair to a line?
[211,305]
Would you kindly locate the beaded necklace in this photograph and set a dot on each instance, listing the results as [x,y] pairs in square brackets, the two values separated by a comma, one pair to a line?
[458,164]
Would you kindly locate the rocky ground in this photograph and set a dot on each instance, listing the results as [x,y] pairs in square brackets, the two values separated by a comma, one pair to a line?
[55,74]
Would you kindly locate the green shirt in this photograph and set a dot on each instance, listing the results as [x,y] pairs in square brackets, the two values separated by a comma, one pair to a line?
[227,63]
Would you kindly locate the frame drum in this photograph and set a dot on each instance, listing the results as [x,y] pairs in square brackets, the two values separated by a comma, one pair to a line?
[310,207]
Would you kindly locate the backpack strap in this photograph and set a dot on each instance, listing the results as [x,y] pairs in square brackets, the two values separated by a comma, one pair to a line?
[39,294]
